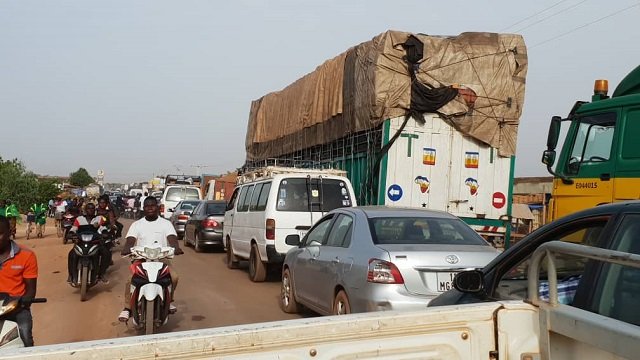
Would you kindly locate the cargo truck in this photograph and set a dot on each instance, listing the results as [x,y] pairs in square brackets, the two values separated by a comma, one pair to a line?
[600,159]
[415,120]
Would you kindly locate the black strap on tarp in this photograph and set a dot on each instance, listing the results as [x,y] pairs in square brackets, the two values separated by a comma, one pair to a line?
[424,97]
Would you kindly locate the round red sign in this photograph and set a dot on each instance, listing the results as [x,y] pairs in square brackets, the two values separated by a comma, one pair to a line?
[498,200]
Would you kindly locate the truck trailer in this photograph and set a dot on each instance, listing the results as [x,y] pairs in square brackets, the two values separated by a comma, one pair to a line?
[415,120]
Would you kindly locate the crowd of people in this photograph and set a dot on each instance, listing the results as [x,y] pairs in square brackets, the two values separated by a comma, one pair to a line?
[18,264]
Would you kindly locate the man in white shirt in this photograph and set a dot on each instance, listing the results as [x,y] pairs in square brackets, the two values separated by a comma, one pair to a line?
[153,231]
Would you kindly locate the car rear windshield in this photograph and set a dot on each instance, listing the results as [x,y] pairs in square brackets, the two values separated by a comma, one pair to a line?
[312,194]
[188,205]
[216,208]
[423,230]
[177,194]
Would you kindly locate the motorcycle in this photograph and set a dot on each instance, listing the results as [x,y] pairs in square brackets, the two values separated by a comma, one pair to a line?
[150,287]
[9,333]
[87,246]
[67,223]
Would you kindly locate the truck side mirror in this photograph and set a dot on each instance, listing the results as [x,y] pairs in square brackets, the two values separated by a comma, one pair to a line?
[554,133]
[293,240]
[470,281]
[549,157]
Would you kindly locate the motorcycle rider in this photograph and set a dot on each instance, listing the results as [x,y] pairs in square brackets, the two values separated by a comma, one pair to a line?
[18,278]
[151,230]
[89,222]
[106,209]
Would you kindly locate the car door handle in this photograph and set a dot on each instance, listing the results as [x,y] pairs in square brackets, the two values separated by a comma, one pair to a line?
[605,177]
[336,260]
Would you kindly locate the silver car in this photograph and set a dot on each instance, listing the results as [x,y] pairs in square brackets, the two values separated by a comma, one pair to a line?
[180,215]
[378,258]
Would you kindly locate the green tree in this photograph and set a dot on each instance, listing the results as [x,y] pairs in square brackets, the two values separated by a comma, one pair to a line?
[80,178]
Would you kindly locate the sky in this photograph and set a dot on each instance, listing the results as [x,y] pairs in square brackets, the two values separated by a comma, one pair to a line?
[142,88]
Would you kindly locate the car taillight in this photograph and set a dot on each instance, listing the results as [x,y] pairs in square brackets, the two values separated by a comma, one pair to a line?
[161,208]
[270,227]
[383,272]
[210,223]
[183,217]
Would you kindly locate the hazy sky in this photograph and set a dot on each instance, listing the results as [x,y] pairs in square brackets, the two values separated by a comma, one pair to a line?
[138,88]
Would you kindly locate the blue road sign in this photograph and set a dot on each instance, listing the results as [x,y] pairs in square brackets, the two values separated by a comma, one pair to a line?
[394,192]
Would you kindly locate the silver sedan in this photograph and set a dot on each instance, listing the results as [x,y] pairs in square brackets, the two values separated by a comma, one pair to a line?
[378,258]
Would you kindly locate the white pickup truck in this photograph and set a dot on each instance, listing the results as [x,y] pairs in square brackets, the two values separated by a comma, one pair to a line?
[512,329]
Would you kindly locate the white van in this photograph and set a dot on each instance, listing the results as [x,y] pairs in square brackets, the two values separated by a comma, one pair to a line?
[273,202]
[173,194]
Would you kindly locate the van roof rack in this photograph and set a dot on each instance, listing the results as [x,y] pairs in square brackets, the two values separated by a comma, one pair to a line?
[268,172]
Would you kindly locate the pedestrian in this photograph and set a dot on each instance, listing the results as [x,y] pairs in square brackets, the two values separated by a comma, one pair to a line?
[18,278]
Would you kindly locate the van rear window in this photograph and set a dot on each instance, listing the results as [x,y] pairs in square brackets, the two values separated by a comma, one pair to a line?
[177,194]
[300,194]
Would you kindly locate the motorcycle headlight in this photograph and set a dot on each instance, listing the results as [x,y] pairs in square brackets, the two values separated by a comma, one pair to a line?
[9,307]
[152,253]
[10,336]
[86,237]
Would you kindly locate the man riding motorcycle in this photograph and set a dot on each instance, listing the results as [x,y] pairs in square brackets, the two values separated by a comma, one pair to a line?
[106,209]
[151,230]
[89,223]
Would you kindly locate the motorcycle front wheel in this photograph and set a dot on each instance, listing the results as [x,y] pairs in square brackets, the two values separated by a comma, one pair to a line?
[149,317]
[84,282]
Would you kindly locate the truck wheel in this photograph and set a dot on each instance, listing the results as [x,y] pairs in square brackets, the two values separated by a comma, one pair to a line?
[288,301]
[257,269]
[341,304]
[232,260]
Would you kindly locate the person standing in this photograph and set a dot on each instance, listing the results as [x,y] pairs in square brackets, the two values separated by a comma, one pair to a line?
[18,278]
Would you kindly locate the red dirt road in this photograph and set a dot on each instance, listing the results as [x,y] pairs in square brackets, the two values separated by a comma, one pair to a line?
[208,295]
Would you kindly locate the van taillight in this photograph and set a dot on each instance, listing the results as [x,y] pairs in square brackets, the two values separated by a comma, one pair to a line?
[270,232]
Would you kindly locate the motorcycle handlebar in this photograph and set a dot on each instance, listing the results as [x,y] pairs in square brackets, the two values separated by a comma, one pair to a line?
[26,301]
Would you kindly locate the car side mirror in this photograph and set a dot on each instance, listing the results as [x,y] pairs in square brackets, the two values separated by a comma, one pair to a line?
[470,281]
[171,210]
[293,240]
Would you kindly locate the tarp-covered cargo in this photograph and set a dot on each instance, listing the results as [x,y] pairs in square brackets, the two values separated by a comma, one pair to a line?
[475,80]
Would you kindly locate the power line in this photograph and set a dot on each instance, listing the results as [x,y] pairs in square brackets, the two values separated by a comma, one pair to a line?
[550,16]
[585,25]
[536,14]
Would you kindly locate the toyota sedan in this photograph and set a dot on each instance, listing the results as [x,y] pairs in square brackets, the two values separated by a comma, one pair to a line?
[378,258]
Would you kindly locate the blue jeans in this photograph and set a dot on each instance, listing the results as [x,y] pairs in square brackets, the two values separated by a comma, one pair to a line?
[25,325]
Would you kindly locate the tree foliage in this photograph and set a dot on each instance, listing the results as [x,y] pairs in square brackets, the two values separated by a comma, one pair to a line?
[22,187]
[80,178]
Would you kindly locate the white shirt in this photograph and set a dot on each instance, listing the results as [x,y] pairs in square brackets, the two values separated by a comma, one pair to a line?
[151,233]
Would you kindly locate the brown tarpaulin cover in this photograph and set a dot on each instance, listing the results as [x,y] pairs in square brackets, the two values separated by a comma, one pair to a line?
[369,83]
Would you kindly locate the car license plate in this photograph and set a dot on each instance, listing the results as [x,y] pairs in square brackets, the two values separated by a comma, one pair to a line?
[445,281]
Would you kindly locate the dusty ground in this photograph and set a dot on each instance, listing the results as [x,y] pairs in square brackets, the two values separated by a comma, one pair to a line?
[208,295]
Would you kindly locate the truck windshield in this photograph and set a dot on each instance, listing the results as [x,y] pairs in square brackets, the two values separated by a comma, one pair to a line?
[300,194]
[593,141]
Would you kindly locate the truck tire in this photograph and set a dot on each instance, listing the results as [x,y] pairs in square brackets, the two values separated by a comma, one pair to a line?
[341,304]
[257,269]
[232,260]
[288,301]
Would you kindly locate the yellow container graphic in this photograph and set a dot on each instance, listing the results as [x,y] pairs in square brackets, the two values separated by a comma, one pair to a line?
[471,159]
[429,156]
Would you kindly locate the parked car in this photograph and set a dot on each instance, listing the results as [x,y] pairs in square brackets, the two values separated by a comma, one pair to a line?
[204,227]
[615,226]
[378,258]
[173,194]
[180,214]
